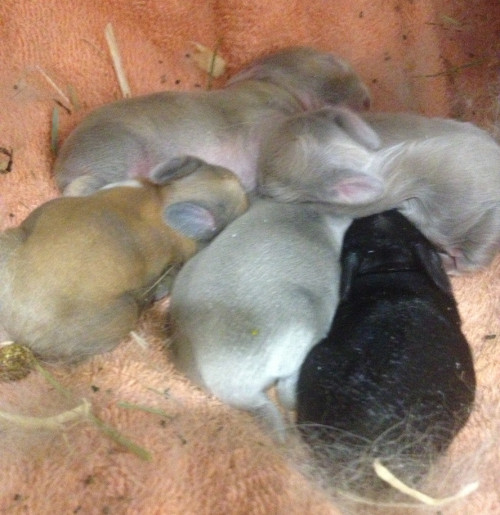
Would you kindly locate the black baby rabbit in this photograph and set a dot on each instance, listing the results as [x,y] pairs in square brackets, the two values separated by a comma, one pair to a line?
[394,378]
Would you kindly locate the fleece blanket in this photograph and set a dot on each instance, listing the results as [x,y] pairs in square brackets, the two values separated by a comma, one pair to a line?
[141,438]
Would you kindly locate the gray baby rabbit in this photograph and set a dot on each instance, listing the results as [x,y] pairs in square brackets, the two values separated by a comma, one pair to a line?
[443,175]
[247,309]
[129,138]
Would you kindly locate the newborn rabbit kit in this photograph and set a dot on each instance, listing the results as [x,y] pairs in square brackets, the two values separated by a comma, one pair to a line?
[129,138]
[254,302]
[394,378]
[443,175]
[77,272]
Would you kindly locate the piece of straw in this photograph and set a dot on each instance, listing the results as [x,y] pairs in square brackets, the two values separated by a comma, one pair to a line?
[59,91]
[451,70]
[53,423]
[83,411]
[209,60]
[117,61]
[139,339]
[146,409]
[119,438]
[386,475]
[158,281]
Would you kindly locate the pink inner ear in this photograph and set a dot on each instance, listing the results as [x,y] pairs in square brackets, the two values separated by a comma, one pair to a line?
[202,219]
[359,189]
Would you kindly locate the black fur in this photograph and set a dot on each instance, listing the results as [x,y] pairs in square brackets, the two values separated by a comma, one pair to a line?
[394,377]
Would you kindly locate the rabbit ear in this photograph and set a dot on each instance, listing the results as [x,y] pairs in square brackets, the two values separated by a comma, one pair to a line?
[191,219]
[350,266]
[357,128]
[175,168]
[431,262]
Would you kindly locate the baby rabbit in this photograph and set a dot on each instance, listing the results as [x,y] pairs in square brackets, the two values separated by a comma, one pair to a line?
[443,175]
[129,138]
[76,273]
[247,309]
[394,377]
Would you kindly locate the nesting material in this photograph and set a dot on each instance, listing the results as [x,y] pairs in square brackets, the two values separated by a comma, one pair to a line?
[16,361]
[386,475]
[117,61]
[208,60]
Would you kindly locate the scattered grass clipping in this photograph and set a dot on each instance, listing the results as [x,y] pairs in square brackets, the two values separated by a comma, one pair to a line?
[146,409]
[54,132]
[81,413]
[54,86]
[119,438]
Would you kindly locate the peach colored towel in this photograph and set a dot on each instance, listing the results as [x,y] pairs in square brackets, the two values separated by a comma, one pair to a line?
[435,57]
